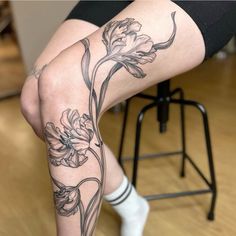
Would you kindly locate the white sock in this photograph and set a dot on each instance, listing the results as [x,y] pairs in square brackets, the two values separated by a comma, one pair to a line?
[132,208]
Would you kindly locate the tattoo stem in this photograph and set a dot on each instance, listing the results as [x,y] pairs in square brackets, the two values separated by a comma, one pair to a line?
[97,158]
[81,208]
[101,61]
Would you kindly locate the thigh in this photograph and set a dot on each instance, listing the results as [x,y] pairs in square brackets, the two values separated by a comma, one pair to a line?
[121,53]
[218,27]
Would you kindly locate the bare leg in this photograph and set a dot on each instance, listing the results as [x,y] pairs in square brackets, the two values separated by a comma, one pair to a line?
[65,84]
[65,36]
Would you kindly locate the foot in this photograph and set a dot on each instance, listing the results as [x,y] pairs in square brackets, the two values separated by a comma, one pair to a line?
[134,225]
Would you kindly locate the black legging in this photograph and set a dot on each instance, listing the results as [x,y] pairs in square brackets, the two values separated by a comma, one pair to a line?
[215,19]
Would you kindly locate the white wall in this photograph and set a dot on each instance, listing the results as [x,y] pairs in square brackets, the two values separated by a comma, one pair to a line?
[35,22]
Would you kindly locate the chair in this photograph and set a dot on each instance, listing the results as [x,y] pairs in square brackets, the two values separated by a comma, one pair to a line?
[161,101]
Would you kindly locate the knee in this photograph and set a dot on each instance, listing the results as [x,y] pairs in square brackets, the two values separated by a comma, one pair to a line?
[29,101]
[29,104]
[53,88]
[61,85]
[48,85]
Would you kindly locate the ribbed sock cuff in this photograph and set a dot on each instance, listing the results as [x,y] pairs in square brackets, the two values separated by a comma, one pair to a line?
[120,194]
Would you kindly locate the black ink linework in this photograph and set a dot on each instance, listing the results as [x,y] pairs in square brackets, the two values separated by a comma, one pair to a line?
[71,146]
[37,72]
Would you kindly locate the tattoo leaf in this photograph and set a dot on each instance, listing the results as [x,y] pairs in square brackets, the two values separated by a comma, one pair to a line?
[57,183]
[166,44]
[104,86]
[85,68]
[85,62]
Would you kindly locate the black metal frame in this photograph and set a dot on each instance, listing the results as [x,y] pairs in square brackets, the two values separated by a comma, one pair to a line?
[161,102]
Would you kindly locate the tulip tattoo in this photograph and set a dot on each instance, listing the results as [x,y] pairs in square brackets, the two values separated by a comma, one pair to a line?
[78,140]
[126,47]
[69,147]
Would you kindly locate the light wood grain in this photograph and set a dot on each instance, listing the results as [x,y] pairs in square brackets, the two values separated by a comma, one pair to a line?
[26,204]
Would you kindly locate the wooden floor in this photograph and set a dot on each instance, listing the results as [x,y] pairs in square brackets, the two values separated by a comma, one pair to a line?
[25,201]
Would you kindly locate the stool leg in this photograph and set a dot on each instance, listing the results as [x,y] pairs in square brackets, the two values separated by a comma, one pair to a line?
[137,140]
[182,128]
[210,161]
[183,136]
[124,125]
[213,184]
[163,93]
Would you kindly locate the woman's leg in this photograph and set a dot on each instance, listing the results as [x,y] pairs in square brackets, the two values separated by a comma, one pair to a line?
[116,183]
[66,35]
[74,93]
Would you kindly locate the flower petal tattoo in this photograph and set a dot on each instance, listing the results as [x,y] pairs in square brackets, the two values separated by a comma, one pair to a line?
[71,145]
[125,46]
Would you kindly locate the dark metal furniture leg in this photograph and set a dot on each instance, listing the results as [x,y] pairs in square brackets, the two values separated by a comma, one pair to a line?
[163,95]
[137,140]
[124,125]
[183,135]
[210,161]
[213,185]
[182,129]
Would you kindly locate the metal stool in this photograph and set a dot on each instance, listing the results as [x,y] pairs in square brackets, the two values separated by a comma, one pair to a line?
[162,101]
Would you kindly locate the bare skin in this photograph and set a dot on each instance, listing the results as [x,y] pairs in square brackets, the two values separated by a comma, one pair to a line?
[63,107]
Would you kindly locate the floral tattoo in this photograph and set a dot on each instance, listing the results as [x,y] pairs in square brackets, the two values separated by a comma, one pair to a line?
[36,73]
[69,147]
[78,140]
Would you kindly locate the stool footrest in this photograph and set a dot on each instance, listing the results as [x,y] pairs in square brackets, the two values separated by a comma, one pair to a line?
[152,155]
[198,170]
[178,194]
[162,103]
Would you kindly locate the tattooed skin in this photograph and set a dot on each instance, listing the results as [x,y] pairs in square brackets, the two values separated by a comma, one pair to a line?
[79,138]
[35,72]
[69,147]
